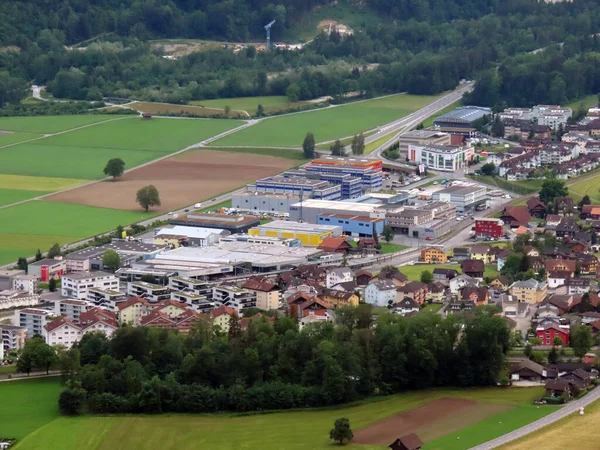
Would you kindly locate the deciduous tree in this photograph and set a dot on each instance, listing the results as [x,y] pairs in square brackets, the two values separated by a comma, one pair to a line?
[111,259]
[341,432]
[114,168]
[147,197]
[581,339]
[308,146]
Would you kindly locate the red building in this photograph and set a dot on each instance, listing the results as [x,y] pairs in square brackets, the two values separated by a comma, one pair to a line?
[546,332]
[492,228]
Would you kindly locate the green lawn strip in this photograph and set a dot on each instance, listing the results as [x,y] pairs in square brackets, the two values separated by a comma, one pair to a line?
[278,152]
[520,187]
[328,124]
[13,138]
[13,246]
[49,124]
[414,272]
[8,196]
[433,307]
[27,405]
[159,135]
[490,428]
[304,429]
[392,248]
[248,104]
[39,184]
[372,146]
[8,369]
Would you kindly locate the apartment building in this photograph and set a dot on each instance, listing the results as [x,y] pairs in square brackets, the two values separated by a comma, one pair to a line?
[12,338]
[33,319]
[76,285]
[71,309]
[152,292]
[234,297]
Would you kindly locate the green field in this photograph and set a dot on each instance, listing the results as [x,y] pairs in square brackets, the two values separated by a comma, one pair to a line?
[414,272]
[392,248]
[41,184]
[26,227]
[372,146]
[8,196]
[588,102]
[298,429]
[589,185]
[248,104]
[49,124]
[278,152]
[520,187]
[327,124]
[13,138]
[27,405]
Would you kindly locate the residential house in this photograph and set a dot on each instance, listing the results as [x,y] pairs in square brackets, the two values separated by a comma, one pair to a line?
[339,299]
[502,283]
[531,251]
[221,317]
[314,306]
[131,311]
[516,216]
[433,255]
[483,253]
[579,377]
[437,291]
[62,331]
[394,275]
[566,229]
[475,294]
[312,272]
[563,265]
[511,307]
[536,207]
[408,442]
[348,286]
[501,257]
[577,286]
[547,330]
[12,338]
[367,244]
[267,293]
[529,291]
[338,275]
[235,297]
[547,310]
[70,309]
[441,274]
[461,253]
[487,227]
[33,319]
[558,278]
[473,268]
[76,285]
[552,221]
[588,264]
[560,301]
[181,322]
[460,306]
[335,245]
[457,283]
[363,277]
[526,370]
[380,293]
[98,319]
[406,306]
[563,206]
[415,290]
[590,212]
[558,388]
[590,316]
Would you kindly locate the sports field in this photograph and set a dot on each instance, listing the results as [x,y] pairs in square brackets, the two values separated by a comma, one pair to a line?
[327,124]
[298,430]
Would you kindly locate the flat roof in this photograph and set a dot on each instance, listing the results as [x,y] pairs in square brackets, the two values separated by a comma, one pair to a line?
[11,273]
[286,225]
[47,262]
[352,217]
[122,247]
[86,275]
[460,190]
[265,195]
[465,114]
[296,180]
[422,134]
[348,159]
[331,204]
[191,232]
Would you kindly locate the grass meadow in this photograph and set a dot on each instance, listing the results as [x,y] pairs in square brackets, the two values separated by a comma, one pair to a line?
[327,124]
[13,138]
[589,185]
[278,152]
[49,124]
[273,431]
[41,184]
[248,104]
[414,272]
[8,196]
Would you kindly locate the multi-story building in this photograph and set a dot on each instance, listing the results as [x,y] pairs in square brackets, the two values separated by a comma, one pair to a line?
[352,225]
[221,316]
[433,255]
[465,198]
[558,153]
[297,185]
[423,138]
[33,319]
[529,291]
[366,169]
[105,298]
[128,250]
[185,284]
[66,332]
[195,301]
[266,292]
[441,157]
[76,285]
[152,292]
[131,311]
[25,283]
[555,119]
[308,211]
[350,187]
[489,228]
[516,113]
[308,233]
[12,339]
[45,269]
[547,330]
[188,236]
[17,299]
[380,293]
[71,309]
[234,297]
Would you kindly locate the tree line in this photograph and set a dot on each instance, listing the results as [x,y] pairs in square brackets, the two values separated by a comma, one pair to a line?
[273,365]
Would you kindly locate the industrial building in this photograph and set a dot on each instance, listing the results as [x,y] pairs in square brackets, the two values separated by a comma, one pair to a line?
[296,185]
[308,233]
[352,225]
[233,224]
[265,240]
[460,121]
[422,137]
[465,198]
[189,236]
[45,269]
[128,250]
[348,185]
[447,158]
[263,203]
[426,220]
[368,170]
[309,210]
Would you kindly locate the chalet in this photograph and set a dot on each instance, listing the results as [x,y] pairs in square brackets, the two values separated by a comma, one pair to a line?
[338,275]
[536,207]
[441,274]
[312,272]
[547,310]
[296,300]
[363,277]
[579,378]
[590,316]
[477,295]
[460,306]
[457,283]
[558,388]
[437,291]
[531,251]
[394,275]
[558,278]
[567,229]
[563,205]
[561,302]
[367,243]
[590,212]
[552,221]
[473,268]
[526,370]
[407,442]
[406,306]
[516,216]
[346,286]
[563,265]
[335,245]
[577,246]
[502,283]
[415,290]
[312,306]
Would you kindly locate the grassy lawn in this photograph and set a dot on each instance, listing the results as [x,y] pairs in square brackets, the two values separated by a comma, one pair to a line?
[27,405]
[574,431]
[248,104]
[327,124]
[520,187]
[590,101]
[8,369]
[414,272]
[37,224]
[164,109]
[48,124]
[8,196]
[433,307]
[286,430]
[372,146]
[12,138]
[392,248]
[587,186]
[279,152]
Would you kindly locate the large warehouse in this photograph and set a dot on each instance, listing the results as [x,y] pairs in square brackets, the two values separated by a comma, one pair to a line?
[308,233]
[465,198]
[460,121]
[309,210]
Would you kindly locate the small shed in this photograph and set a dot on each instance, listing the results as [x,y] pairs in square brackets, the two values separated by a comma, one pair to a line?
[407,442]
[147,116]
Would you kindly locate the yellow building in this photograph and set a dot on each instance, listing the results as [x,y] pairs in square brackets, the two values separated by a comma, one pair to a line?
[309,234]
[130,312]
[433,255]
[267,293]
[220,317]
[530,291]
[483,253]
[340,298]
[172,308]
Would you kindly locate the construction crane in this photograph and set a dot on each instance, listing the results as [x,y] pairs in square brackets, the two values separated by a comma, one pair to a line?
[268,28]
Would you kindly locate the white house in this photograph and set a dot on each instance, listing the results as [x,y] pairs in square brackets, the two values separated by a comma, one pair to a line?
[338,275]
[459,282]
[406,306]
[380,293]
[557,278]
[75,285]
[62,331]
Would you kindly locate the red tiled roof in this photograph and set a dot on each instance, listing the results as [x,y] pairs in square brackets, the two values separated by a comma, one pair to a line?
[154,316]
[223,309]
[333,244]
[170,302]
[518,214]
[59,322]
[131,301]
[259,284]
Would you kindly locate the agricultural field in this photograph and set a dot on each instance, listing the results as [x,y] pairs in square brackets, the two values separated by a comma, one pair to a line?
[298,429]
[50,124]
[248,104]
[170,108]
[9,196]
[327,124]
[277,152]
[11,137]
[590,101]
[39,224]
[589,185]
[182,180]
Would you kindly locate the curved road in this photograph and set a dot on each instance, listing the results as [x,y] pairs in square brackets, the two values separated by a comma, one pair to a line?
[569,408]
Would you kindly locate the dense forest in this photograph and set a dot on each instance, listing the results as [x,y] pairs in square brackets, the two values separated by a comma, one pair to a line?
[420,47]
[273,365]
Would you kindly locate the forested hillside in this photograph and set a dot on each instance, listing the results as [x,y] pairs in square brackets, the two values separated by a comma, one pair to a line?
[420,47]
